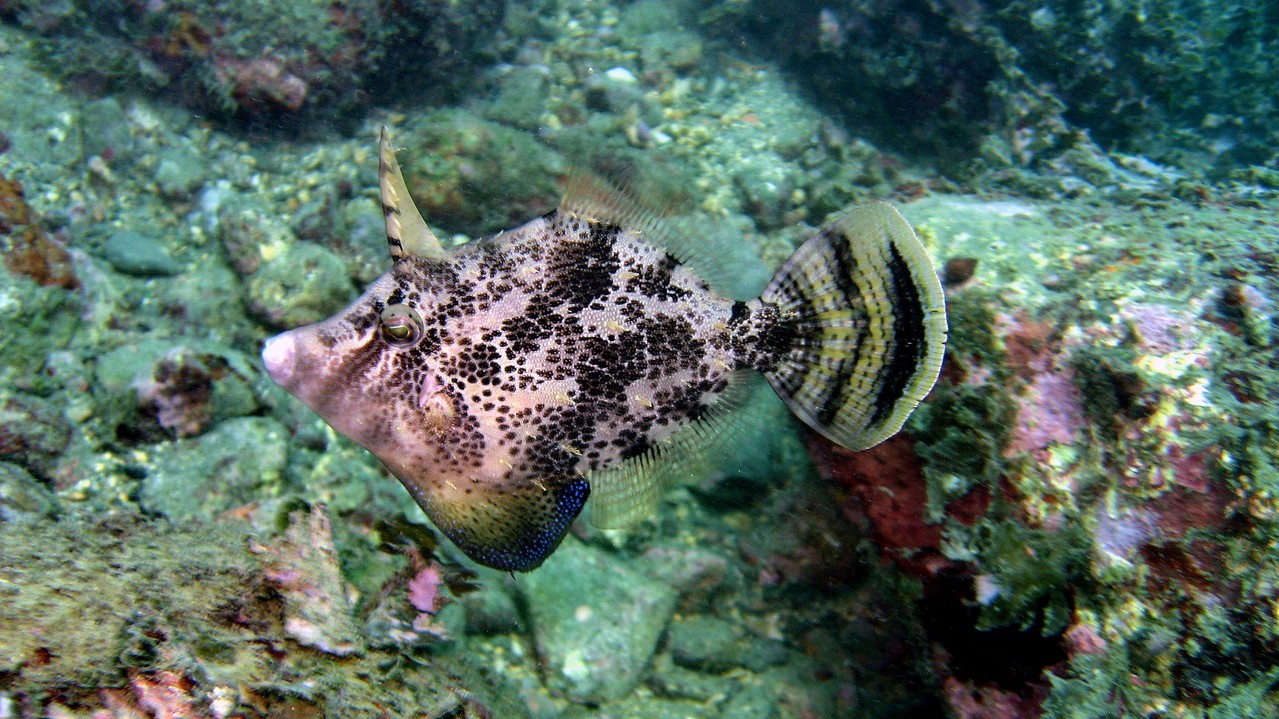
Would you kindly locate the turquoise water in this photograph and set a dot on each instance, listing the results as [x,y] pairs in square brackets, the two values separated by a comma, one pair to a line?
[1078,521]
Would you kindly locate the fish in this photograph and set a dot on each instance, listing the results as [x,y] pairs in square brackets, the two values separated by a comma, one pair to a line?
[580,356]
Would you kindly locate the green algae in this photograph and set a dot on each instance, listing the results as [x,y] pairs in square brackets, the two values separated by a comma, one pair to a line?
[43,320]
[114,602]
[1032,569]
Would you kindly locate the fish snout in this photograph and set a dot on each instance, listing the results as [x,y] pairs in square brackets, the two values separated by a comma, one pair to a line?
[279,354]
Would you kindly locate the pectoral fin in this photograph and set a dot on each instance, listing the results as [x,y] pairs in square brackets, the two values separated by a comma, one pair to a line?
[513,527]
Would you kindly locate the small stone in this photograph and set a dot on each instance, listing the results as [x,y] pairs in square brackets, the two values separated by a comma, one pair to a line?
[959,270]
[621,74]
[23,496]
[520,99]
[766,182]
[490,611]
[106,131]
[304,283]
[705,643]
[671,680]
[596,621]
[134,253]
[610,92]
[32,432]
[180,174]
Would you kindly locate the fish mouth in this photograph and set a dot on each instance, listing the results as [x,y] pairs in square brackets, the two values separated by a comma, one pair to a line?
[279,355]
[294,361]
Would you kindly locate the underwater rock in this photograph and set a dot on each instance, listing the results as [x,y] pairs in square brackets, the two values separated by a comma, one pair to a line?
[490,610]
[134,253]
[615,90]
[151,388]
[416,609]
[124,619]
[186,390]
[289,282]
[474,176]
[821,552]
[36,321]
[261,62]
[106,131]
[303,284]
[181,173]
[596,621]
[237,462]
[82,602]
[41,127]
[33,432]
[697,574]
[22,496]
[705,643]
[767,183]
[303,567]
[520,99]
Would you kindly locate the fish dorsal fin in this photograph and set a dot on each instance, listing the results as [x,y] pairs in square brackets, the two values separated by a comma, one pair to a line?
[407,234]
[631,491]
[513,527]
[590,196]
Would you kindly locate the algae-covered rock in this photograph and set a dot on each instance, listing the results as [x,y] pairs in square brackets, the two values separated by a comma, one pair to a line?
[467,174]
[40,126]
[134,253]
[596,621]
[275,61]
[125,618]
[237,462]
[22,496]
[704,642]
[303,284]
[79,603]
[34,321]
[180,173]
[303,566]
[153,388]
[33,432]
[288,282]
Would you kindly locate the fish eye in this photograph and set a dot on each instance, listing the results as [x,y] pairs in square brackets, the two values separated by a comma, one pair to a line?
[401,325]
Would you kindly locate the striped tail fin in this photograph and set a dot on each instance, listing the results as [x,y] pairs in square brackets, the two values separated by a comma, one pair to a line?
[868,320]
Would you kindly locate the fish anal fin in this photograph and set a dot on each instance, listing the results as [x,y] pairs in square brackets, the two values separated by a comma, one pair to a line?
[513,526]
[631,491]
[407,234]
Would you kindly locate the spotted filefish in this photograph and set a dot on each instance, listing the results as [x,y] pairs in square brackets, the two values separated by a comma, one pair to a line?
[507,380]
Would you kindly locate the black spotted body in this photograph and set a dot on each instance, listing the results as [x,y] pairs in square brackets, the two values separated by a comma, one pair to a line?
[553,350]
[505,381]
